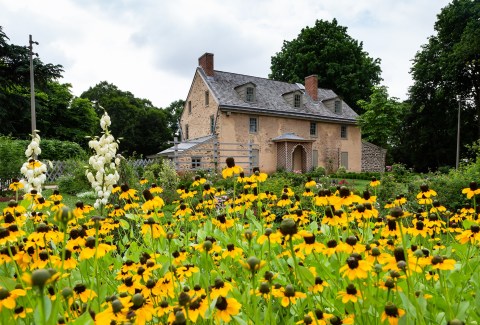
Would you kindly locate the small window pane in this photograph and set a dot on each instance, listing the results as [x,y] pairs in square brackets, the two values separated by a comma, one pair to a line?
[189,107]
[207,98]
[250,94]
[338,107]
[313,128]
[212,124]
[297,100]
[343,132]
[196,162]
[253,125]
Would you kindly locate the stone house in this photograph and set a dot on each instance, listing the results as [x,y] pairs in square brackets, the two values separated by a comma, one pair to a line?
[267,124]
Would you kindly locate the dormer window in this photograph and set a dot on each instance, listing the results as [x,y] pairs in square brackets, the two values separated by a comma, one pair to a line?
[297,100]
[250,94]
[294,98]
[338,107]
[247,92]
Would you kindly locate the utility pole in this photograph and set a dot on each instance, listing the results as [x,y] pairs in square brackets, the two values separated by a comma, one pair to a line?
[459,99]
[32,86]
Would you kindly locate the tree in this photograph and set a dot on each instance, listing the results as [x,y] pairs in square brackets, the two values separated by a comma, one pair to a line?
[446,67]
[15,86]
[173,113]
[329,52]
[381,121]
[141,127]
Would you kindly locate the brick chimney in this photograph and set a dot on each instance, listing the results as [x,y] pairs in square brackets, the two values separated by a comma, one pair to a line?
[311,86]
[206,62]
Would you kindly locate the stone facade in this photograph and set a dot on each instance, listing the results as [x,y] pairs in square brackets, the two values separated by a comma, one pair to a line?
[373,157]
[217,106]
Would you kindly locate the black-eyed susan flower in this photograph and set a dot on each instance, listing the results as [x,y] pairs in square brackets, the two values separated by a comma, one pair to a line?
[153,228]
[356,268]
[198,181]
[374,182]
[309,244]
[225,308]
[288,295]
[91,251]
[350,294]
[197,307]
[392,314]
[318,286]
[15,185]
[310,182]
[472,190]
[8,298]
[232,251]
[143,181]
[128,193]
[425,195]
[143,309]
[471,235]
[220,288]
[231,168]
[81,292]
[439,262]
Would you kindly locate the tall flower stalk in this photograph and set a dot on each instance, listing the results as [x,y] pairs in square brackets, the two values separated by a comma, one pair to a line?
[103,174]
[33,170]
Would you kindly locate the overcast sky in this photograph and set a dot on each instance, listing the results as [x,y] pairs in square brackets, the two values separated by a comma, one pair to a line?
[151,48]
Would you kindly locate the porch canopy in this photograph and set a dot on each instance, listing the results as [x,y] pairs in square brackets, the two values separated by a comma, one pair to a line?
[294,153]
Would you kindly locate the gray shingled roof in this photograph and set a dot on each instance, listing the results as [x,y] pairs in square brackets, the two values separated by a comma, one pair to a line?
[269,98]
[184,145]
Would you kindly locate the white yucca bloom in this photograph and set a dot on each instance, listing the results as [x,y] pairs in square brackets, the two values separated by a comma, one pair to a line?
[102,173]
[33,170]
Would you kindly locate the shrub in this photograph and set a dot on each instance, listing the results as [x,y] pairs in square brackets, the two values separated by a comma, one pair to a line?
[73,180]
[12,155]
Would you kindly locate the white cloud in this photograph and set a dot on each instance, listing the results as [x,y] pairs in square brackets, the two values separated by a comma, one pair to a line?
[150,48]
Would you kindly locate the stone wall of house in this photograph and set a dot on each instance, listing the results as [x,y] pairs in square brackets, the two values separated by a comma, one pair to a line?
[373,157]
[205,152]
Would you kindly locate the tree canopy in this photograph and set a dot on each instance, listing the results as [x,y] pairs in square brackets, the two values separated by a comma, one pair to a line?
[329,52]
[446,67]
[381,119]
[141,127]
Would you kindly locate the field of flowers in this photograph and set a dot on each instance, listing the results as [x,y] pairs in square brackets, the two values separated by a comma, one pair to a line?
[240,255]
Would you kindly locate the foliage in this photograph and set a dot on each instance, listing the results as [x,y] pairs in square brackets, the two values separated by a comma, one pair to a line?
[173,114]
[11,153]
[15,86]
[73,179]
[329,52]
[164,175]
[147,130]
[128,173]
[447,66]
[381,118]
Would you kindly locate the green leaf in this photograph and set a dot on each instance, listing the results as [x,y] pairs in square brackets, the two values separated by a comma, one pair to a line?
[46,312]
[85,319]
[124,223]
[306,275]
[8,283]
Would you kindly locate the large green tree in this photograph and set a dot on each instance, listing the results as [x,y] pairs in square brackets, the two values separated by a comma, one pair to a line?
[142,128]
[329,52]
[381,119]
[15,86]
[446,67]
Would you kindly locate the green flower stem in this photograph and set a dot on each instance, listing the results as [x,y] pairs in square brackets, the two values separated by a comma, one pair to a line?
[411,292]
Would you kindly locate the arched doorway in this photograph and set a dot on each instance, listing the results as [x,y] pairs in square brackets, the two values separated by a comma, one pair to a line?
[299,159]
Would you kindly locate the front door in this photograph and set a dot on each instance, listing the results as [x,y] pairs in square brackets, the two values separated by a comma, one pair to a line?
[297,159]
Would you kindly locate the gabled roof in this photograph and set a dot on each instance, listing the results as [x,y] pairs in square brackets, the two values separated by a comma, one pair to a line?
[269,99]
